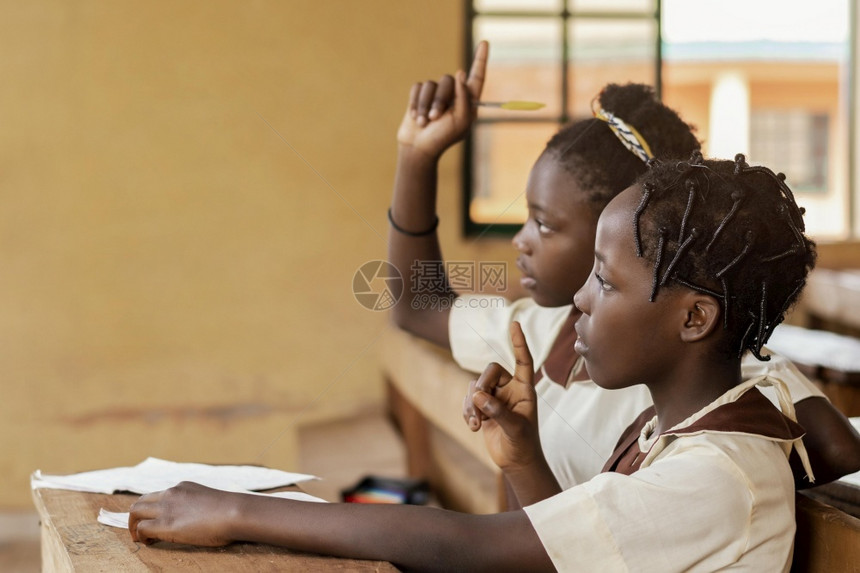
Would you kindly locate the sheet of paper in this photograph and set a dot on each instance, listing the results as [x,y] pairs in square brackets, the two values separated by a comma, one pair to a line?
[154,474]
[853,479]
[120,519]
[815,347]
[113,518]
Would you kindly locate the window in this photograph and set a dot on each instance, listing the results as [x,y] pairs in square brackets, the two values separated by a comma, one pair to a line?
[796,142]
[768,78]
[555,52]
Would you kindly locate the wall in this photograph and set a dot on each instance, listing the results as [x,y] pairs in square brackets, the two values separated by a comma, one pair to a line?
[187,190]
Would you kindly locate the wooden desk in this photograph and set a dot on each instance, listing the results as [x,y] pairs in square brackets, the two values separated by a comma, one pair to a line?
[831,359]
[72,540]
[832,300]
[841,495]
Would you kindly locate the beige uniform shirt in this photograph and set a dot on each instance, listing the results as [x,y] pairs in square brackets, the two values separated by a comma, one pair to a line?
[580,423]
[702,499]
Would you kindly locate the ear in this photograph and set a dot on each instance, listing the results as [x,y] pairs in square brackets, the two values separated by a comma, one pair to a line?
[702,317]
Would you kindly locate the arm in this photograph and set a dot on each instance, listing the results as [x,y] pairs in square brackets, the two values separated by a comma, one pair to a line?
[505,407]
[411,537]
[437,117]
[831,441]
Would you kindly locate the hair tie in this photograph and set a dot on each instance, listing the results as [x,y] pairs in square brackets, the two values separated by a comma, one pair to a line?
[403,231]
[625,133]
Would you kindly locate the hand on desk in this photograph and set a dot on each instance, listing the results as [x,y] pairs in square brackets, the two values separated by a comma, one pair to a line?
[187,513]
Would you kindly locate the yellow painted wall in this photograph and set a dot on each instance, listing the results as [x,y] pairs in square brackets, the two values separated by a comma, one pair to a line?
[175,277]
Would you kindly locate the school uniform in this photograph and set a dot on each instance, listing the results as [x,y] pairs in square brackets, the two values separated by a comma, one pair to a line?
[711,493]
[579,421]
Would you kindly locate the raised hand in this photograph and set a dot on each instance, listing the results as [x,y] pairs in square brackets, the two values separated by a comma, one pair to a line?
[439,114]
[505,406]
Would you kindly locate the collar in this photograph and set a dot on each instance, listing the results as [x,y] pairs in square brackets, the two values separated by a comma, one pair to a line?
[738,411]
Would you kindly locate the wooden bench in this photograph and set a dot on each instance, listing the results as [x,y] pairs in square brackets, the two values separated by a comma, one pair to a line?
[827,539]
[425,399]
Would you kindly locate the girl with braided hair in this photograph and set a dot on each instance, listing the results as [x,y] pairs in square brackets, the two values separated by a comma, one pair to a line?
[694,265]
[581,169]
[700,482]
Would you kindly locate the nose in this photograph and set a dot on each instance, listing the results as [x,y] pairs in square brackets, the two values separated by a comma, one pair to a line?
[580,299]
[520,242]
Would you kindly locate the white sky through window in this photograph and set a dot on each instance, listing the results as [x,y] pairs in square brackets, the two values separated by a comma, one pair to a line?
[751,20]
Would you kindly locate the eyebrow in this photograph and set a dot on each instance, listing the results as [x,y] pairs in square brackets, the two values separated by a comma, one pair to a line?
[536,206]
[599,257]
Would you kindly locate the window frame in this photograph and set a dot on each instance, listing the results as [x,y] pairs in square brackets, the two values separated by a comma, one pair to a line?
[475,229]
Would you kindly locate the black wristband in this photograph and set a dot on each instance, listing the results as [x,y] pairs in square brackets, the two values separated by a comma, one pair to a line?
[400,229]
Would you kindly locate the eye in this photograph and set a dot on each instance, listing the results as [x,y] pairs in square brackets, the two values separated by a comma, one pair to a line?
[603,284]
[543,228]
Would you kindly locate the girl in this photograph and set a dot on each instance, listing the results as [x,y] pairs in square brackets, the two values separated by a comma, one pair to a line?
[682,283]
[581,169]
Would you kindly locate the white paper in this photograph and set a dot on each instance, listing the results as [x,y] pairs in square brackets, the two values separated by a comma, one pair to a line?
[154,474]
[853,479]
[113,518]
[816,347]
[120,519]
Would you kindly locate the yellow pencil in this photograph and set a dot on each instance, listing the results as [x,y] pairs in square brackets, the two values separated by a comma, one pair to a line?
[514,105]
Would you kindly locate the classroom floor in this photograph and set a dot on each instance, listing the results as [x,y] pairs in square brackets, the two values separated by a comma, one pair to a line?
[341,452]
[344,452]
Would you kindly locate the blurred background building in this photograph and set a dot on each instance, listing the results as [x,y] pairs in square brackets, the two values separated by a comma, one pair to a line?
[769,79]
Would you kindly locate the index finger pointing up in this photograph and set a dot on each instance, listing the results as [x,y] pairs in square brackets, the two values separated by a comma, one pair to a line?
[475,81]
[524,370]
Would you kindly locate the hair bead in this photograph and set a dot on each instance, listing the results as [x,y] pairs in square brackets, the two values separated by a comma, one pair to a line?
[738,197]
[691,188]
[698,288]
[762,321]
[661,242]
[744,337]
[750,237]
[678,254]
[740,164]
[782,255]
[727,298]
[646,195]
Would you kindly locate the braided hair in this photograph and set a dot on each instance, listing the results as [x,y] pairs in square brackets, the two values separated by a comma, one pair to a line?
[601,164]
[729,230]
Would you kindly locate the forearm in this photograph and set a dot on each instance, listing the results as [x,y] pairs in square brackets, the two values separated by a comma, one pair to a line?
[414,208]
[414,198]
[831,441]
[532,483]
[412,537]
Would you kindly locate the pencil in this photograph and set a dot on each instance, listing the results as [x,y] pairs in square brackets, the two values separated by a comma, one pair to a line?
[513,105]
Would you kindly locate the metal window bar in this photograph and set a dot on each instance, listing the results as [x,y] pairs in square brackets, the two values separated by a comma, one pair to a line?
[476,229]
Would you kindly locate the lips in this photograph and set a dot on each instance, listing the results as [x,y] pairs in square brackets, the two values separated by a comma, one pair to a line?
[527,281]
[579,346]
